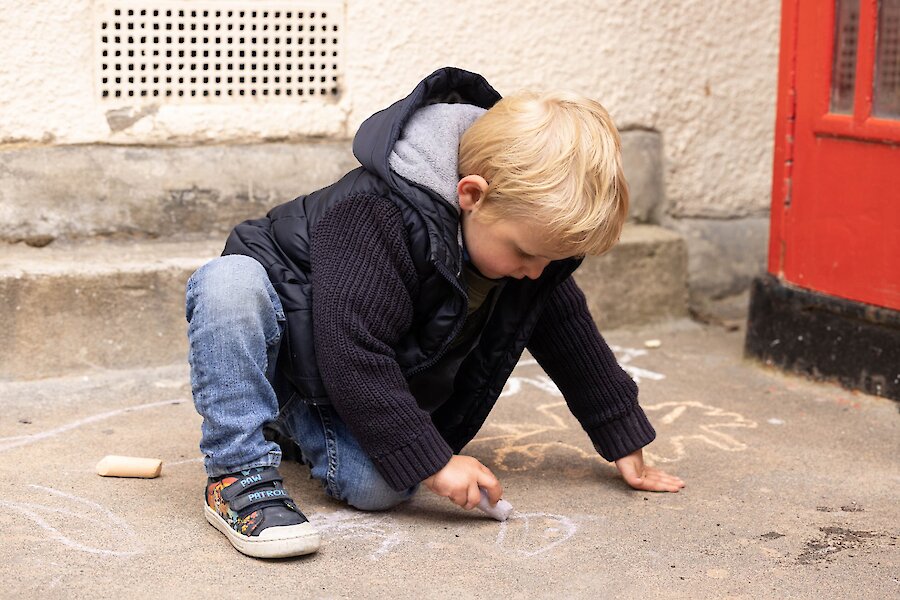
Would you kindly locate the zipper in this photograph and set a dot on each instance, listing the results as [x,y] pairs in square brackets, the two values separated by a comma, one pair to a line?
[456,328]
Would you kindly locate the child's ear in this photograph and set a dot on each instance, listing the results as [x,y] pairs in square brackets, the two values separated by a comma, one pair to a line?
[471,190]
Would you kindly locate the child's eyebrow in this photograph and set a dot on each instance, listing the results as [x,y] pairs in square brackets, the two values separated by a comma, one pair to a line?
[522,250]
[526,253]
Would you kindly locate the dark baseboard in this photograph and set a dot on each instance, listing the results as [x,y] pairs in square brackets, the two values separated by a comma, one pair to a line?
[824,337]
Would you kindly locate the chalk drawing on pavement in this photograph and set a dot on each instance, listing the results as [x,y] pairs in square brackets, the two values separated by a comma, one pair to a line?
[349,524]
[706,424]
[8,443]
[530,534]
[624,356]
[516,451]
[93,515]
[519,446]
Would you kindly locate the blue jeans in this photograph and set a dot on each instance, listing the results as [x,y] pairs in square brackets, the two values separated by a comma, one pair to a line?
[235,324]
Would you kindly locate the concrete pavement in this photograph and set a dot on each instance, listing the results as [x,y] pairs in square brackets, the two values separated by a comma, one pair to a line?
[791,492]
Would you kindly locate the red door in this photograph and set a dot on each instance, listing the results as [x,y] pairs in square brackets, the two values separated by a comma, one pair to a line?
[836,189]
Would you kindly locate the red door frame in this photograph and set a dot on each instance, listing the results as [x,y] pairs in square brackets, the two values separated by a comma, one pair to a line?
[805,66]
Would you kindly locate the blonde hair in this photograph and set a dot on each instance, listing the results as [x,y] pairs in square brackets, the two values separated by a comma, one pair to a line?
[552,159]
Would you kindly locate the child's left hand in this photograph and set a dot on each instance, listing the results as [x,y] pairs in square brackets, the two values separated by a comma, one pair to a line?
[647,478]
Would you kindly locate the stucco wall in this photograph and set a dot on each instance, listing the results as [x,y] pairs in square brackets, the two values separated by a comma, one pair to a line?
[701,73]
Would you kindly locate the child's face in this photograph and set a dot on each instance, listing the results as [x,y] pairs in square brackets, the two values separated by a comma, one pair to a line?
[505,247]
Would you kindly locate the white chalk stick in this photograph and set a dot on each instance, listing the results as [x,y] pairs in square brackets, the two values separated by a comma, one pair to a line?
[129,466]
[500,511]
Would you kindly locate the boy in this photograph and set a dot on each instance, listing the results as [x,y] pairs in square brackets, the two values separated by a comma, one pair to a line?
[376,321]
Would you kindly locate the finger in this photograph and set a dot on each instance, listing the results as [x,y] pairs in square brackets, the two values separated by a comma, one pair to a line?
[659,472]
[647,483]
[674,480]
[652,474]
[663,478]
[657,479]
[443,489]
[459,498]
[657,485]
[484,469]
[492,486]
[474,496]
[676,483]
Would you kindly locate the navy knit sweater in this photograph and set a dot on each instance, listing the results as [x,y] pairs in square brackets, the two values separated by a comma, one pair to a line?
[364,284]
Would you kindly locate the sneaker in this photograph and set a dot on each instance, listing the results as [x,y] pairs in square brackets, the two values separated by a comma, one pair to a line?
[258,516]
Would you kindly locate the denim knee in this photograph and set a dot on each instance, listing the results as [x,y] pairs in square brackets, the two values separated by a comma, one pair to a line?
[373,494]
[235,289]
[337,460]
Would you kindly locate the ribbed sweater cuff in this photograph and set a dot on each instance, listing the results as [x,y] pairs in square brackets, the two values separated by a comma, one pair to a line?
[409,465]
[621,437]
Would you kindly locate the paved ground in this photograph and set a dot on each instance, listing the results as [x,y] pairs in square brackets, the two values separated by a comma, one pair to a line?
[792,491]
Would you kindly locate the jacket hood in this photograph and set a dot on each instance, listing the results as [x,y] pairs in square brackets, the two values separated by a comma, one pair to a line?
[378,134]
[427,152]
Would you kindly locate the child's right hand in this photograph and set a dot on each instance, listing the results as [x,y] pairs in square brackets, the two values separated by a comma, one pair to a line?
[460,479]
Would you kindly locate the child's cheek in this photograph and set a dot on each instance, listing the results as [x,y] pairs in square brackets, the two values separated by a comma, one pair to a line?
[494,269]
[506,268]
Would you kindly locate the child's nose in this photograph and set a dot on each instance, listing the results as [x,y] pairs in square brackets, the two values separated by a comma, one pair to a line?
[535,267]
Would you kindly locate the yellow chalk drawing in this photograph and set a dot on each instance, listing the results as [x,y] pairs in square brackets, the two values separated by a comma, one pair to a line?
[678,424]
[714,424]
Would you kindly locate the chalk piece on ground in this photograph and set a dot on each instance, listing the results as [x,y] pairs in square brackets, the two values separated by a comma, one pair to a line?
[129,466]
[501,511]
[653,343]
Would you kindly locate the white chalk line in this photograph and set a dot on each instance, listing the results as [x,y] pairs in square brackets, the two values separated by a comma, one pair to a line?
[353,525]
[566,522]
[624,356]
[29,510]
[8,443]
[348,524]
[183,462]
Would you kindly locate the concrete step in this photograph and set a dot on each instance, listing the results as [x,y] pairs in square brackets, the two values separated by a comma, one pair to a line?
[643,279]
[98,191]
[103,191]
[115,305]
[68,309]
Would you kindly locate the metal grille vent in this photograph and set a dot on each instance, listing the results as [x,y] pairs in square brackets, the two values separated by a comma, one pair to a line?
[210,51]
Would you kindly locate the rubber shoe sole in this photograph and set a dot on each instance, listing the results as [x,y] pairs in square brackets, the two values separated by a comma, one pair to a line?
[273,542]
